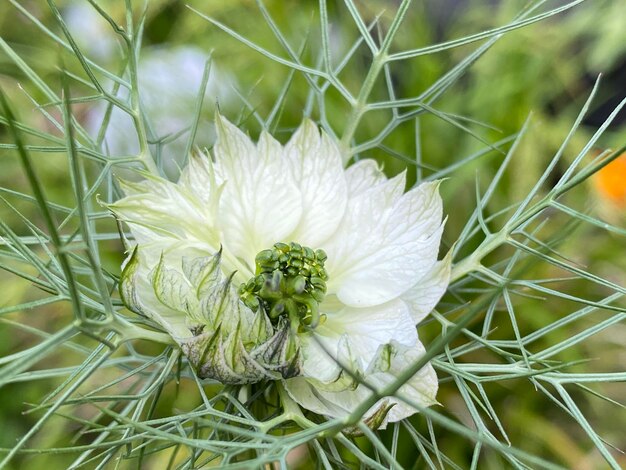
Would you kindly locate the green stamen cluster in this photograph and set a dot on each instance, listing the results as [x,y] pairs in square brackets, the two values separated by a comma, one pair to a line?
[290,281]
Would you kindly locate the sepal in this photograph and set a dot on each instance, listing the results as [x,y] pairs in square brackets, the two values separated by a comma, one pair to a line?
[373,421]
[128,291]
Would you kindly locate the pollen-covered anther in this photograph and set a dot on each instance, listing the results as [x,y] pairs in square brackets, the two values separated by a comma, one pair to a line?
[290,281]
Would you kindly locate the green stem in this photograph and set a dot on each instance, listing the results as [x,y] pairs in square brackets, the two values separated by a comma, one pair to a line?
[360,107]
[291,412]
[378,62]
[474,261]
[493,241]
[129,331]
[142,136]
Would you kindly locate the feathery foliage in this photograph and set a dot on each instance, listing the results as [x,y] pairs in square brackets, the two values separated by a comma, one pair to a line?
[525,342]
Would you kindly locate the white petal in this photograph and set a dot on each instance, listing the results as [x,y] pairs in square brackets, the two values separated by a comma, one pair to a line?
[344,247]
[156,208]
[425,295]
[199,178]
[385,243]
[363,175]
[367,329]
[420,390]
[350,339]
[317,362]
[260,205]
[309,398]
[318,171]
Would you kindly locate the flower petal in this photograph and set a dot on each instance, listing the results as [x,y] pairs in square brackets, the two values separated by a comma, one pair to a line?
[420,390]
[385,243]
[367,329]
[425,295]
[350,339]
[199,178]
[318,171]
[306,395]
[156,208]
[345,246]
[260,205]
[363,175]
[317,362]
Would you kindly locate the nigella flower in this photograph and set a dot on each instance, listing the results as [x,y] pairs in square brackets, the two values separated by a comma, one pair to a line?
[274,262]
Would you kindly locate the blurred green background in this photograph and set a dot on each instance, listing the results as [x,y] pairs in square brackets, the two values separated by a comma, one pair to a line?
[547,69]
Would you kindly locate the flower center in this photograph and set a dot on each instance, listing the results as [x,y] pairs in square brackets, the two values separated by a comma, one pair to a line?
[290,281]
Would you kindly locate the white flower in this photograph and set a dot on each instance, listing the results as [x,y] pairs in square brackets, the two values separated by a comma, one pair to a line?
[170,78]
[270,261]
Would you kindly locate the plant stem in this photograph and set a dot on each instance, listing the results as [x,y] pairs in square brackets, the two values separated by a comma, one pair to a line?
[142,136]
[359,108]
[292,412]
[130,331]
[474,261]
[378,62]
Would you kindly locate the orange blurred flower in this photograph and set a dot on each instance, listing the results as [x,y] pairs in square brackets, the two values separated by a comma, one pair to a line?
[610,182]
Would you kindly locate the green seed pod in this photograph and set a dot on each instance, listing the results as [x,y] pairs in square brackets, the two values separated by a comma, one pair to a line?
[294,288]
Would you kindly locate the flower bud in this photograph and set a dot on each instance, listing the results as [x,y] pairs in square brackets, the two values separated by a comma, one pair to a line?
[226,339]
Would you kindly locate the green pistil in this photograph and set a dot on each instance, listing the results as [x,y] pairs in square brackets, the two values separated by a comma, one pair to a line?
[290,281]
